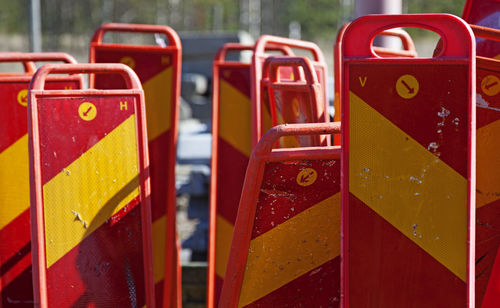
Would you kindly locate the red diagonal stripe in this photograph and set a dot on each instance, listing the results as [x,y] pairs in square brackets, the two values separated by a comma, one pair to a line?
[147,64]
[232,165]
[105,269]
[319,287]
[238,77]
[217,289]
[386,269]
[159,149]
[13,237]
[64,136]
[281,198]
[13,119]
[19,292]
[492,296]
[15,262]
[420,116]
[487,243]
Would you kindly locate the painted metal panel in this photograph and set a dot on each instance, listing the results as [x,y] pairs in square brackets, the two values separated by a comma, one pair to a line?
[15,241]
[408,166]
[285,250]
[159,69]
[90,192]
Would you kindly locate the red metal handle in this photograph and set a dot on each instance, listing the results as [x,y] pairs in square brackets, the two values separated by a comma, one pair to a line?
[27,58]
[272,64]
[408,45]
[486,33]
[229,47]
[126,72]
[271,136]
[403,36]
[36,56]
[452,30]
[265,40]
[172,37]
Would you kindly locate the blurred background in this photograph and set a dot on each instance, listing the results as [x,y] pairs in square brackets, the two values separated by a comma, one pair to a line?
[68,25]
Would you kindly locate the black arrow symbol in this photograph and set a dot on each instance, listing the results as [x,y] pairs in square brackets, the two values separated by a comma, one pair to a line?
[410,89]
[305,177]
[488,86]
[88,110]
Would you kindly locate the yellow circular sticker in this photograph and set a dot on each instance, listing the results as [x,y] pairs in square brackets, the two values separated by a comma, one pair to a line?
[128,61]
[490,85]
[87,111]
[407,86]
[307,177]
[22,97]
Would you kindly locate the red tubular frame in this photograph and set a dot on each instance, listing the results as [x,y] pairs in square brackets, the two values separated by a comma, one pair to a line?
[486,33]
[259,57]
[490,64]
[261,154]
[220,59]
[356,45]
[28,59]
[271,77]
[172,37]
[174,44]
[38,232]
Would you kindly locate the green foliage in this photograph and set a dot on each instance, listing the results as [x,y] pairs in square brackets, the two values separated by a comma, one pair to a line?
[13,16]
[431,6]
[318,18]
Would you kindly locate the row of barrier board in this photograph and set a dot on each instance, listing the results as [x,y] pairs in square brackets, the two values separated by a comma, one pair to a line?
[242,109]
[15,237]
[84,255]
[416,229]
[410,200]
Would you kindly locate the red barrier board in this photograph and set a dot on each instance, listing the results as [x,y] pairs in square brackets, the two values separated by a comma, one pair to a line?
[15,246]
[231,148]
[408,51]
[159,70]
[90,193]
[484,13]
[408,167]
[286,245]
[488,164]
[294,100]
[259,99]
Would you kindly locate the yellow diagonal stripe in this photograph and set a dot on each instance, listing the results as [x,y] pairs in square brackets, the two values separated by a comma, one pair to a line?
[408,186]
[90,190]
[158,95]
[159,242]
[223,238]
[488,164]
[292,249]
[14,181]
[235,118]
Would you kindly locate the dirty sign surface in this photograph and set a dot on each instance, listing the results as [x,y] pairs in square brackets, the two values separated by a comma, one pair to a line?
[92,217]
[407,204]
[487,201]
[15,238]
[90,204]
[158,68]
[286,246]
[233,148]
